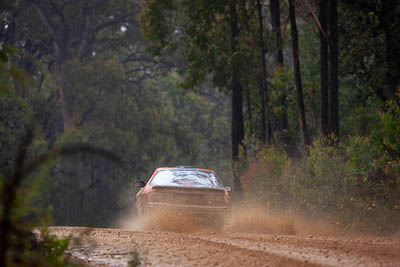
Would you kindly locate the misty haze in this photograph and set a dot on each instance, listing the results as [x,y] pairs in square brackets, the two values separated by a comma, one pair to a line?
[199,133]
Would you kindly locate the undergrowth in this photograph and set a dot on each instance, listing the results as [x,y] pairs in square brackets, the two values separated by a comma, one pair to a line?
[25,241]
[355,184]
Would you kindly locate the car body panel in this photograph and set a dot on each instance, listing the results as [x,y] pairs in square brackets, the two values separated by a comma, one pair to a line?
[189,197]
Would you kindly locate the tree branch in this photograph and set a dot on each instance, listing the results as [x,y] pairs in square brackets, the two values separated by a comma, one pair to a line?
[109,23]
[314,18]
[44,18]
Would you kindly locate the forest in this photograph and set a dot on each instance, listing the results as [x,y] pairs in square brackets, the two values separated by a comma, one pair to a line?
[295,103]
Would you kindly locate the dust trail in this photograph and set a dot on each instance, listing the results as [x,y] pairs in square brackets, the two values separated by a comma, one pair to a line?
[170,221]
[247,219]
[244,219]
[258,220]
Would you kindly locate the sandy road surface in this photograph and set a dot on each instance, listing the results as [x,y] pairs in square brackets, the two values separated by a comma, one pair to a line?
[113,247]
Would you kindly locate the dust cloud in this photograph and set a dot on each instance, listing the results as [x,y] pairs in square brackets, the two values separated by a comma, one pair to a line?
[168,220]
[258,220]
[244,219]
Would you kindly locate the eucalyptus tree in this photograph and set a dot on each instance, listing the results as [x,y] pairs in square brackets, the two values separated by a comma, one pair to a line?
[264,83]
[275,11]
[334,68]
[324,68]
[53,34]
[297,76]
[370,42]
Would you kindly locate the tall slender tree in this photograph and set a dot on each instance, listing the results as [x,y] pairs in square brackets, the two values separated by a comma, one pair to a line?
[249,112]
[66,31]
[297,76]
[250,62]
[237,100]
[265,113]
[334,68]
[324,68]
[276,28]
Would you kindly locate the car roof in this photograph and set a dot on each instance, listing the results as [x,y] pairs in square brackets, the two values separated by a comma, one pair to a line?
[185,168]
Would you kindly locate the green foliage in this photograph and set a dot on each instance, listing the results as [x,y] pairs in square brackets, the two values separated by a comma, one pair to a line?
[19,245]
[351,184]
[361,159]
[155,27]
[9,73]
[386,144]
[123,99]
[200,32]
[54,248]
[15,120]
[283,102]
[388,136]
[326,165]
[18,242]
[158,125]
[29,251]
[369,42]
[262,180]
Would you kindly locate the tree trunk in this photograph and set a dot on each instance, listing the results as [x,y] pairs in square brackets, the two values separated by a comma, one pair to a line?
[265,114]
[297,77]
[249,113]
[276,27]
[334,66]
[60,54]
[237,112]
[61,86]
[249,73]
[387,16]
[324,68]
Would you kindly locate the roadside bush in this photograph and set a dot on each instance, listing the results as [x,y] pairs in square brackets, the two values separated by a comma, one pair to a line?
[328,173]
[26,248]
[15,119]
[20,244]
[263,180]
[387,144]
[350,184]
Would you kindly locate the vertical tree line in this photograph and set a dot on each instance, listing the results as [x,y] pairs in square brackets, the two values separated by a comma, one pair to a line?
[278,48]
[203,26]
[334,68]
[237,98]
[297,76]
[324,68]
[252,50]
[264,97]
[329,68]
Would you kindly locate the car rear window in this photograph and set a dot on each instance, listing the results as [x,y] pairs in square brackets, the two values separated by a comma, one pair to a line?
[186,178]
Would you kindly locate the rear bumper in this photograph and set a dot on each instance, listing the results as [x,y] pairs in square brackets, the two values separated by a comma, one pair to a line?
[217,211]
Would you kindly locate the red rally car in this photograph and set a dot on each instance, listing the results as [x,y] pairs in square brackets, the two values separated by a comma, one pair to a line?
[186,190]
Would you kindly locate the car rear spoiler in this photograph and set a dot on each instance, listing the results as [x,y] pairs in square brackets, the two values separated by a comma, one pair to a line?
[188,188]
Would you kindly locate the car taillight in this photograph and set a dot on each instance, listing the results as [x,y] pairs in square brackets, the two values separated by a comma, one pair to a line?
[226,199]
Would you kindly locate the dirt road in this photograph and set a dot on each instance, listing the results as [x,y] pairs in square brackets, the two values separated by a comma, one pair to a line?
[114,247]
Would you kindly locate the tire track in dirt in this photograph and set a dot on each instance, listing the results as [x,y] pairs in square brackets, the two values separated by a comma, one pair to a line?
[113,247]
[320,251]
